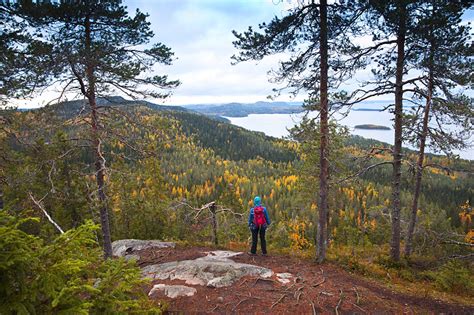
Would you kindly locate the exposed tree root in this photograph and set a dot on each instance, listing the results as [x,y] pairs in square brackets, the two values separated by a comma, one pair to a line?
[341,298]
[319,283]
[278,301]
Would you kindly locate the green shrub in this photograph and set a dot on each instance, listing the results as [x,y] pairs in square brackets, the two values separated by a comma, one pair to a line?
[66,276]
[454,277]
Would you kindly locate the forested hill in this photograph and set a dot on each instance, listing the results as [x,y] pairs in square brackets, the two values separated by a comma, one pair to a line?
[226,140]
[214,132]
[232,142]
[69,109]
[243,110]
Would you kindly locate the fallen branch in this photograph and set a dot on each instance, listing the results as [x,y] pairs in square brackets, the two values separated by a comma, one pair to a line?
[300,288]
[326,293]
[38,204]
[291,286]
[242,283]
[468,256]
[357,295]
[235,307]
[319,283]
[359,307]
[341,298]
[298,297]
[297,293]
[278,301]
[458,243]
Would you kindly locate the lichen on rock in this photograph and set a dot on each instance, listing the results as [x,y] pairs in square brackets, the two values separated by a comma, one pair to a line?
[213,270]
[126,247]
[173,291]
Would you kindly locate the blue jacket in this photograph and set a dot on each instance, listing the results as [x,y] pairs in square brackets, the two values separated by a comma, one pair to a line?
[264,212]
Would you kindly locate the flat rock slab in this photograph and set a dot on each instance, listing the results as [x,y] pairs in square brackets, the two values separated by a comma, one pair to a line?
[173,291]
[284,277]
[215,270]
[123,248]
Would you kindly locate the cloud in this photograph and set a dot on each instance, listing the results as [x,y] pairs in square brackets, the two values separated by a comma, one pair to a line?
[200,34]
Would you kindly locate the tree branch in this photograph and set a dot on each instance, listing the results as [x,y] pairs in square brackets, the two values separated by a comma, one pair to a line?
[40,206]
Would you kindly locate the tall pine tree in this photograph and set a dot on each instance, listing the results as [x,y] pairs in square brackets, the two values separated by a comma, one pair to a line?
[317,37]
[96,49]
[443,54]
[392,24]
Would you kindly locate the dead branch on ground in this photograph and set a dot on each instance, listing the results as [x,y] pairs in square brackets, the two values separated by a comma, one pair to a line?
[341,298]
[319,283]
[278,301]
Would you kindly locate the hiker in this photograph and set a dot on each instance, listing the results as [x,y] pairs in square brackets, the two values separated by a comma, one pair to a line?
[258,222]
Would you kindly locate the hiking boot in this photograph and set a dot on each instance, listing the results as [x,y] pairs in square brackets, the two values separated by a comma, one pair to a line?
[251,254]
[265,255]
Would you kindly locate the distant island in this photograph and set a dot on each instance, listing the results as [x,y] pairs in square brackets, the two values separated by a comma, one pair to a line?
[243,110]
[371,127]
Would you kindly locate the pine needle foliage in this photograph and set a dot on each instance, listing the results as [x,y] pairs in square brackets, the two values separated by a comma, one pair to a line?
[65,276]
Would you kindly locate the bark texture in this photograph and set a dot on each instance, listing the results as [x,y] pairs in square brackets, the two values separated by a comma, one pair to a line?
[419,164]
[324,130]
[96,142]
[397,148]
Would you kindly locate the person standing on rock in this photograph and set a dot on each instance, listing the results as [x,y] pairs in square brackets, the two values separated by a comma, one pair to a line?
[258,223]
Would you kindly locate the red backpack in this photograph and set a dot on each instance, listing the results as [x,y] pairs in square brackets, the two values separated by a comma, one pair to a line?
[258,216]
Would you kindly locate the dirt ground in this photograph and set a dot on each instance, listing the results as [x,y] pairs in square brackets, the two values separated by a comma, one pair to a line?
[325,289]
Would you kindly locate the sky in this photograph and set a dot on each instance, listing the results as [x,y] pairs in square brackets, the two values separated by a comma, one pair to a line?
[200,34]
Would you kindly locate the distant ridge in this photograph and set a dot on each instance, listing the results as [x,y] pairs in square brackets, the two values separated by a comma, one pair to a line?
[245,109]
[68,109]
[213,132]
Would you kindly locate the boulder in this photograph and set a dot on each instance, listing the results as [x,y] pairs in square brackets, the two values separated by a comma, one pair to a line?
[173,291]
[284,277]
[215,270]
[123,248]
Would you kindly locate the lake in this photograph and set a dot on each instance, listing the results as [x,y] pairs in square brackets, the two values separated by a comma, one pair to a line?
[276,125]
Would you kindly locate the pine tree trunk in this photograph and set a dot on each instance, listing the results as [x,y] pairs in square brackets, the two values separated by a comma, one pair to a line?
[99,158]
[397,148]
[419,165]
[214,224]
[324,166]
[100,179]
[1,197]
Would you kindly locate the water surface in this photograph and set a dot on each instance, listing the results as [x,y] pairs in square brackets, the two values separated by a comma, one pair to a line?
[277,125]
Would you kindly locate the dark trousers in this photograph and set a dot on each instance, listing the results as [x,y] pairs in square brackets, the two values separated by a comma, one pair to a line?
[263,243]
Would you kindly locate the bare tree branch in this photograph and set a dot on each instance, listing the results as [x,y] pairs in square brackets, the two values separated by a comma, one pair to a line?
[40,206]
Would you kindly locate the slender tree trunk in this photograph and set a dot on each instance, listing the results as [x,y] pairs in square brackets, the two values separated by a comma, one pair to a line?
[421,156]
[1,197]
[324,130]
[214,224]
[99,158]
[397,148]
[75,217]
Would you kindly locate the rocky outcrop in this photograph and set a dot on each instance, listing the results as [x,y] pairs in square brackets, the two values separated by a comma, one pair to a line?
[284,277]
[214,270]
[173,291]
[125,248]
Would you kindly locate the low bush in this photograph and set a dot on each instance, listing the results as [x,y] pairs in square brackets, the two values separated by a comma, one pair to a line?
[454,277]
[67,275]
